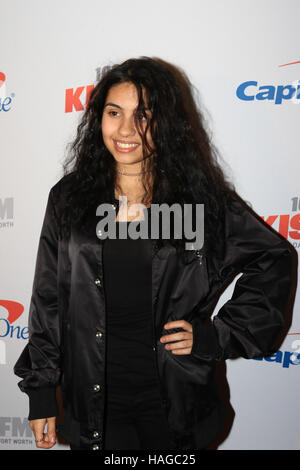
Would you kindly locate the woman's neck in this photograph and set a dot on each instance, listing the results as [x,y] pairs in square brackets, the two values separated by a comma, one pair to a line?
[130,184]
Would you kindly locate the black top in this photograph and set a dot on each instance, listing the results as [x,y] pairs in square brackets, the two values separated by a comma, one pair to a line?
[127,265]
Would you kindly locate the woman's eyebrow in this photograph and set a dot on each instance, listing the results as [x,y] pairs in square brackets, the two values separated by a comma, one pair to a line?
[113,104]
[117,106]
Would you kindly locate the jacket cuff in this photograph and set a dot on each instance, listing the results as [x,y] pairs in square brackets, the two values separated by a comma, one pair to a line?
[42,403]
[205,341]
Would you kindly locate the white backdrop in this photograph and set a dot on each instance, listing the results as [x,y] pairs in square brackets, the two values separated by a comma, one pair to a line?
[48,47]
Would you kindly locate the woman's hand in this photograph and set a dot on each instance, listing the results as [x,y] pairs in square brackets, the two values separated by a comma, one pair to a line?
[180,347]
[44,440]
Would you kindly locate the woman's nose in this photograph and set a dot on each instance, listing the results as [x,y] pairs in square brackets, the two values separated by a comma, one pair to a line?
[127,127]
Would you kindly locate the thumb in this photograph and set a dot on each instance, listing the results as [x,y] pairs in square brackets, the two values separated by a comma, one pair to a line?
[51,430]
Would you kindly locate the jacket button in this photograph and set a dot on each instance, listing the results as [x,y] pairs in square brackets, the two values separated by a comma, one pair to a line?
[96,434]
[113,205]
[99,233]
[96,388]
[98,334]
[95,447]
[97,282]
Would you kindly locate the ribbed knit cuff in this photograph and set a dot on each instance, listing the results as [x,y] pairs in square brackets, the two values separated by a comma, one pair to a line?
[205,341]
[42,403]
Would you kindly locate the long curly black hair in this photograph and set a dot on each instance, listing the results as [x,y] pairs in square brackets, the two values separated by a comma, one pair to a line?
[185,167]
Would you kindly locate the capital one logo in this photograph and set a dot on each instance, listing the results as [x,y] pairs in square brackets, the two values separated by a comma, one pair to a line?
[7,327]
[5,100]
[251,90]
[2,79]
[285,358]
[15,309]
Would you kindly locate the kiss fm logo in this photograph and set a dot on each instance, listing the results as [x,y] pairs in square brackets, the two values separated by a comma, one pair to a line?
[288,225]
[6,212]
[76,99]
[252,91]
[5,101]
[15,430]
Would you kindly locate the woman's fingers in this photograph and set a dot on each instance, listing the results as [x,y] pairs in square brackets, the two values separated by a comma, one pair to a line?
[179,324]
[38,426]
[179,347]
[182,351]
[175,336]
[39,437]
[51,431]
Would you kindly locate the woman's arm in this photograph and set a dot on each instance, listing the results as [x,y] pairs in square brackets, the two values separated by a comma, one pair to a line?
[248,324]
[39,361]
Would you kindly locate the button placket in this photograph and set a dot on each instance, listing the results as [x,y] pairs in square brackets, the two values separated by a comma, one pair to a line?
[96,436]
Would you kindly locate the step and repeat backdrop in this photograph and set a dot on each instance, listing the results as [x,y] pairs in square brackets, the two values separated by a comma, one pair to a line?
[243,59]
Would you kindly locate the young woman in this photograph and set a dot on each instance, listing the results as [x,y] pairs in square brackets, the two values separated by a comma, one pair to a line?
[122,325]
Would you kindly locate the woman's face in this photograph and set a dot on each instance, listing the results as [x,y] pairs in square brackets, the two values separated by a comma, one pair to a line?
[119,133]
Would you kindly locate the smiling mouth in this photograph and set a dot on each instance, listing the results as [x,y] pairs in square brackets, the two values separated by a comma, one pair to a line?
[125,145]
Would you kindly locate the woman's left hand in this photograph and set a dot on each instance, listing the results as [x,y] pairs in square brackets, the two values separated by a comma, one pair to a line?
[180,347]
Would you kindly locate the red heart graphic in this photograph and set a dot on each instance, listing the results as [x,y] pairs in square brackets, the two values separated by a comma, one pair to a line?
[2,78]
[15,309]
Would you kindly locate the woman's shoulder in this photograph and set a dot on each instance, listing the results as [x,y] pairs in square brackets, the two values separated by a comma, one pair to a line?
[63,183]
[61,188]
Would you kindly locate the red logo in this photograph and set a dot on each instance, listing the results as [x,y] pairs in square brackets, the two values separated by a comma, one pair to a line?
[2,78]
[15,309]
[288,225]
[73,99]
[290,63]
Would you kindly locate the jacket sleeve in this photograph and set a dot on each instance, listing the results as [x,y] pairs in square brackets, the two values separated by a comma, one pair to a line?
[39,361]
[248,324]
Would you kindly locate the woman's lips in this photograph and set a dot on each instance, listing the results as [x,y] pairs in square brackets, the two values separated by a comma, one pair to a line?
[125,150]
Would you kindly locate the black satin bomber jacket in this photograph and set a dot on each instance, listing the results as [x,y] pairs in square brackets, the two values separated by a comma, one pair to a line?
[66,343]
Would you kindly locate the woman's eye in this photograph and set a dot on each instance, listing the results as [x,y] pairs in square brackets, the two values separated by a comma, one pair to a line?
[111,112]
[139,116]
